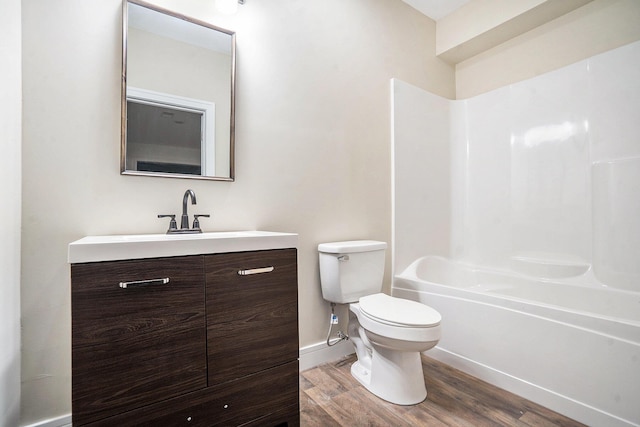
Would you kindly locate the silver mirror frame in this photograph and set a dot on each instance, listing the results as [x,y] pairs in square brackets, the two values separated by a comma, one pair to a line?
[123,121]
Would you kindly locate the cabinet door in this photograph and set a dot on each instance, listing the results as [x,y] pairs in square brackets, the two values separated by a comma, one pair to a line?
[136,345]
[252,312]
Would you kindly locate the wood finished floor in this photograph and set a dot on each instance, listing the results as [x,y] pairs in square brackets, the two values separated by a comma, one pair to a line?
[330,396]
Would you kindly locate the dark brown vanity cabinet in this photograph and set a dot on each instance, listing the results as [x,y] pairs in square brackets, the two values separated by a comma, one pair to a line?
[198,340]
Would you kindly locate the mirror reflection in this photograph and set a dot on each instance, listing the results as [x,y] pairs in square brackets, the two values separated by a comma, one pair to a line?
[178,88]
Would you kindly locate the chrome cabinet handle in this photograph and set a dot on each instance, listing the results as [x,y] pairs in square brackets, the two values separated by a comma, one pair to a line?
[255,271]
[162,281]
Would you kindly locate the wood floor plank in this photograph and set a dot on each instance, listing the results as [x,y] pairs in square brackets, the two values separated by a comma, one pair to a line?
[415,415]
[354,409]
[330,396]
[463,406]
[341,374]
[532,419]
[312,414]
[498,398]
[323,381]
[471,403]
[304,382]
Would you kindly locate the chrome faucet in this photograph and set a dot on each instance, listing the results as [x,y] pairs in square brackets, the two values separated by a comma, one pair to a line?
[184,221]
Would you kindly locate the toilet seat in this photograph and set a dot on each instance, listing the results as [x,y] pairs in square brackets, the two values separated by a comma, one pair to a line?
[398,312]
[392,318]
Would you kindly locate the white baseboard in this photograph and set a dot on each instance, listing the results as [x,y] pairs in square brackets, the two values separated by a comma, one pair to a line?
[571,408]
[64,421]
[317,354]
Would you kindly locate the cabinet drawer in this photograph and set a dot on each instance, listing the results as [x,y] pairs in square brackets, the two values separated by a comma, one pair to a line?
[268,398]
[252,312]
[140,344]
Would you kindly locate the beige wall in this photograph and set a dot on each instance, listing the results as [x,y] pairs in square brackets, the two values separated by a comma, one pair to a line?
[313,154]
[478,17]
[597,27]
[10,177]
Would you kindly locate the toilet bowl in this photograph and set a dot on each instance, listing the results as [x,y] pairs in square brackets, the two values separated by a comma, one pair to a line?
[388,333]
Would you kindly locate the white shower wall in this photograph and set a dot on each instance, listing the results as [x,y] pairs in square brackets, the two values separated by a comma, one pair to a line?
[527,190]
[546,172]
[421,173]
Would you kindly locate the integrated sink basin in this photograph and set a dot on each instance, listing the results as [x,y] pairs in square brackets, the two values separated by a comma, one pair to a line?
[113,248]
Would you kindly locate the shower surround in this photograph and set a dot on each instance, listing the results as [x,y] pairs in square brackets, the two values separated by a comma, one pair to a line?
[540,180]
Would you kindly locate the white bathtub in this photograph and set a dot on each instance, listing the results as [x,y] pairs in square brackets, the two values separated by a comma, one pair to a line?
[569,344]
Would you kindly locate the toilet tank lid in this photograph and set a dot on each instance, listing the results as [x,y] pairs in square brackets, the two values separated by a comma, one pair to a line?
[351,246]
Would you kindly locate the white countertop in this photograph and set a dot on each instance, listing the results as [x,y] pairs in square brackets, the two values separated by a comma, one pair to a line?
[121,247]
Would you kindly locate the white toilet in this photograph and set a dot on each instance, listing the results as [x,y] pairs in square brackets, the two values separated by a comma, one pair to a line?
[388,333]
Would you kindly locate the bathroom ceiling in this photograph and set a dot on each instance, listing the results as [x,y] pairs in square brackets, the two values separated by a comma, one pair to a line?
[436,9]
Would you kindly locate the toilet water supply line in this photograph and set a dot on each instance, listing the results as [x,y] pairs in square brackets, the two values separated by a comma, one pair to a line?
[333,320]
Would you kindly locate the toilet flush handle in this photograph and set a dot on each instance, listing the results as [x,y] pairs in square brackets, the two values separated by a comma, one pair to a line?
[343,258]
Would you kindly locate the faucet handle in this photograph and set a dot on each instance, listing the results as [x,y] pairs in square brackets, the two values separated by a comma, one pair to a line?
[172,224]
[196,221]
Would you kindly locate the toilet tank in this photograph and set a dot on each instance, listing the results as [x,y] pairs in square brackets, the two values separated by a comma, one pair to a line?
[349,270]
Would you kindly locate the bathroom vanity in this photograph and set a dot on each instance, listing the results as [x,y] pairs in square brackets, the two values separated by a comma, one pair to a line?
[194,330]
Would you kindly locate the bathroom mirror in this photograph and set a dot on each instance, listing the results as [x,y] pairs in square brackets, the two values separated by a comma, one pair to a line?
[178,106]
